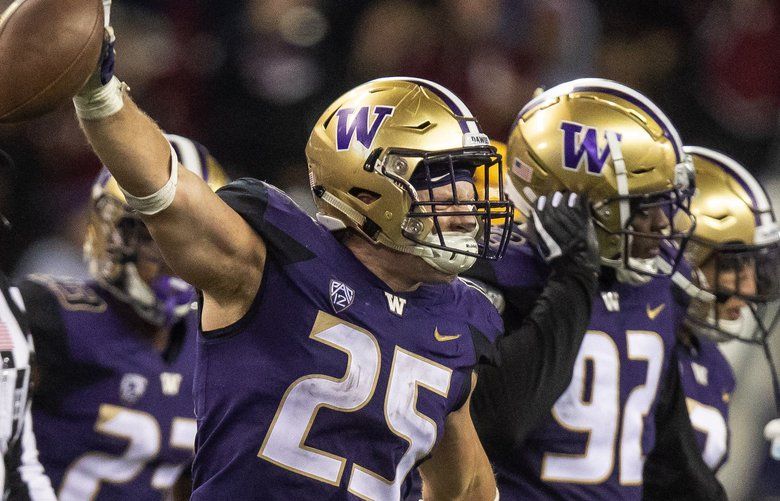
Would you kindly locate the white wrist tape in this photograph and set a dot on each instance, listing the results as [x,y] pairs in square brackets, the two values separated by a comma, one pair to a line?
[101,102]
[162,198]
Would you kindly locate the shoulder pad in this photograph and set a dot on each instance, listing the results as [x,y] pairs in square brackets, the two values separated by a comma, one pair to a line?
[289,233]
[491,293]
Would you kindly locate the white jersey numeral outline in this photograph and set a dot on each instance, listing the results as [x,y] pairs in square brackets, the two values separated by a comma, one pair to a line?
[84,476]
[600,414]
[711,422]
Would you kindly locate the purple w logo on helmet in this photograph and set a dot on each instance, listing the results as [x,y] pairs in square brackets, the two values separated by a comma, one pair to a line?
[578,144]
[359,126]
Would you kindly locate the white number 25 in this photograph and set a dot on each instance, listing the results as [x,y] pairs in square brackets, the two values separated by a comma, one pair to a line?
[599,413]
[284,443]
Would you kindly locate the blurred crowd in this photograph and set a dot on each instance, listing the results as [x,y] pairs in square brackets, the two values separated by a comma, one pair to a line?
[248,79]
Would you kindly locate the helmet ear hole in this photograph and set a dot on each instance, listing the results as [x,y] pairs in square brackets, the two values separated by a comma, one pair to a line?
[368,197]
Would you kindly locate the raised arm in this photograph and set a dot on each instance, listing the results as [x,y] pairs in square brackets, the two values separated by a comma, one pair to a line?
[202,239]
[538,355]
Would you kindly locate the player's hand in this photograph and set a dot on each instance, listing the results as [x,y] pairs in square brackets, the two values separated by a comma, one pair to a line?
[103,94]
[105,68]
[772,433]
[562,229]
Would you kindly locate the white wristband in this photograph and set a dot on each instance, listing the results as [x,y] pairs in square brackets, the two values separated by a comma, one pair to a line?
[162,198]
[102,102]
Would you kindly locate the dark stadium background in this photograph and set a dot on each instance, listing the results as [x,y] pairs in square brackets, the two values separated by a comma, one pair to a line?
[249,78]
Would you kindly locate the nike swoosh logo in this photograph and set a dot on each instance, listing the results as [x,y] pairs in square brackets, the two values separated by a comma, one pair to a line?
[442,338]
[654,312]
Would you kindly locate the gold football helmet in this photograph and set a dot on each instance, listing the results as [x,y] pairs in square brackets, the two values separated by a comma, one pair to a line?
[118,244]
[605,140]
[735,252]
[382,145]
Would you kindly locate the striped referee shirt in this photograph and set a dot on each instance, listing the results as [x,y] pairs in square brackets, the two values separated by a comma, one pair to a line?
[21,474]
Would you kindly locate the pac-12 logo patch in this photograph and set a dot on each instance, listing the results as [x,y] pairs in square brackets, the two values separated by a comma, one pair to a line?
[581,145]
[354,123]
[132,387]
[341,296]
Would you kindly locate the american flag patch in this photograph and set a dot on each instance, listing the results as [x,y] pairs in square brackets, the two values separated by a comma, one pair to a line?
[6,341]
[521,170]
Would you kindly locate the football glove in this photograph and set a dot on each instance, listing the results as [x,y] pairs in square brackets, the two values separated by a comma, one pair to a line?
[563,232]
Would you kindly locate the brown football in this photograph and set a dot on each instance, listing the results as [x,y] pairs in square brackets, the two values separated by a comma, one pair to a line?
[48,50]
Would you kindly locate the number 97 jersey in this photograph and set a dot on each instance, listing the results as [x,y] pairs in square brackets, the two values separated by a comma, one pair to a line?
[113,416]
[594,444]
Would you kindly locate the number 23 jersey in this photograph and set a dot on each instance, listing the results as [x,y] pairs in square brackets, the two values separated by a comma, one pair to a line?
[113,417]
[332,386]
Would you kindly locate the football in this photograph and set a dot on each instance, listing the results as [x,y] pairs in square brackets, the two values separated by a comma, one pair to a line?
[48,50]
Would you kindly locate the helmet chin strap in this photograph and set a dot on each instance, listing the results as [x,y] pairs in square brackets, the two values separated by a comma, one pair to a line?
[639,271]
[137,288]
[444,261]
[141,296]
[447,262]
[163,309]
[633,274]
[732,327]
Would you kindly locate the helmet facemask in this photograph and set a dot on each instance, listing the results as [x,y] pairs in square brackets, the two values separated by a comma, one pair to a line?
[370,142]
[450,224]
[646,252]
[124,259]
[734,274]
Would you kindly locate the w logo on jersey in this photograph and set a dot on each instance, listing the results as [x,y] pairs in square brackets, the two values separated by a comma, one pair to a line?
[358,126]
[580,143]
[170,383]
[395,304]
[341,296]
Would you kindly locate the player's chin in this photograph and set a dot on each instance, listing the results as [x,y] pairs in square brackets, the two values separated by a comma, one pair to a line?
[732,314]
[649,252]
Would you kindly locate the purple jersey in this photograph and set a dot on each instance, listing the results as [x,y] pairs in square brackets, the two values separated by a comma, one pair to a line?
[332,386]
[601,428]
[113,416]
[708,383]
[594,443]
